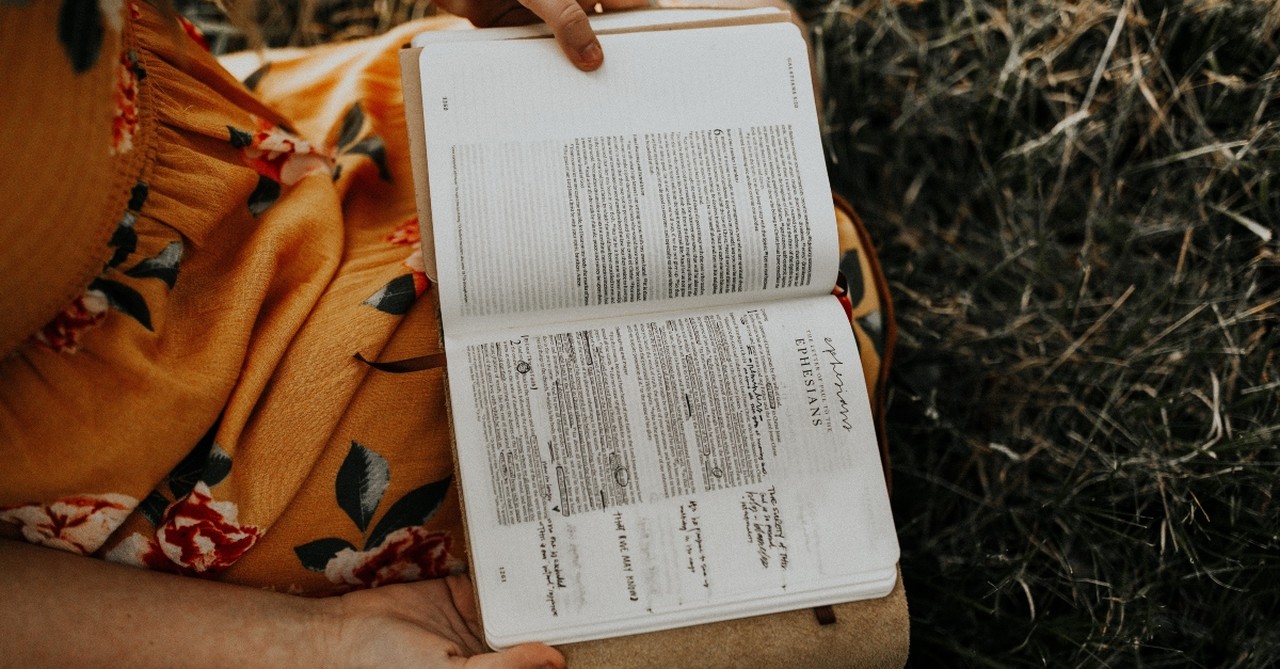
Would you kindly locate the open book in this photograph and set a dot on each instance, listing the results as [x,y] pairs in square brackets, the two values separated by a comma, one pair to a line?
[658,407]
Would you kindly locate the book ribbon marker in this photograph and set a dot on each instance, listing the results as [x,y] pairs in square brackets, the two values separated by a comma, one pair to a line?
[415,364]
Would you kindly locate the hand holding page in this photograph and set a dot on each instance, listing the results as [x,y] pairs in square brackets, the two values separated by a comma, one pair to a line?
[659,414]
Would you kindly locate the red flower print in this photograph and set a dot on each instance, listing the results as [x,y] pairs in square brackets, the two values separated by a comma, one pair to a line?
[406,233]
[200,534]
[63,333]
[282,157]
[194,32]
[79,524]
[125,122]
[408,554]
[409,233]
[137,550]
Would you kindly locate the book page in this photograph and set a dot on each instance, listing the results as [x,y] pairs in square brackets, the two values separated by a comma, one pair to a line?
[638,473]
[687,171]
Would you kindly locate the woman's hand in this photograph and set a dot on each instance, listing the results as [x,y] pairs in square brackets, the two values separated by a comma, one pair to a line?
[567,19]
[69,611]
[430,624]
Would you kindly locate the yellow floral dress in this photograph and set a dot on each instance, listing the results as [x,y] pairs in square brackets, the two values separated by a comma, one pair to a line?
[192,275]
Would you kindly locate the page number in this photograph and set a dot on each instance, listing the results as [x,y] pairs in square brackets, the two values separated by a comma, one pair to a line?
[444,104]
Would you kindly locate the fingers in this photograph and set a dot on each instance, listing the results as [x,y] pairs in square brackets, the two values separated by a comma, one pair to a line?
[524,656]
[568,22]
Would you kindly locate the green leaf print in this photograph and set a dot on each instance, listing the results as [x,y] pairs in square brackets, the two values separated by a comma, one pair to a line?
[251,82]
[396,297]
[373,147]
[873,324]
[163,265]
[124,239]
[124,299]
[362,481]
[851,268]
[138,195]
[352,124]
[152,507]
[217,466]
[206,462]
[263,196]
[316,555]
[414,509]
[239,138]
[80,29]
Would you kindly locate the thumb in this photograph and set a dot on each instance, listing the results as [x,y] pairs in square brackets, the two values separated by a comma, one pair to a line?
[568,22]
[524,656]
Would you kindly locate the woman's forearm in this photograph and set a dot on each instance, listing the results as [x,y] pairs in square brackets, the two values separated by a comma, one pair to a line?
[62,610]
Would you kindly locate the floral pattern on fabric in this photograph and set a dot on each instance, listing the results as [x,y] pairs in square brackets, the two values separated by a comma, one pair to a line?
[278,154]
[408,554]
[140,551]
[64,332]
[850,285]
[125,122]
[409,234]
[194,32]
[79,524]
[350,143]
[279,157]
[203,535]
[401,292]
[80,31]
[195,534]
[851,290]
[399,548]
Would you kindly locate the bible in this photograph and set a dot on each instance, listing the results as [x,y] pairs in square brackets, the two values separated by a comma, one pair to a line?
[659,414]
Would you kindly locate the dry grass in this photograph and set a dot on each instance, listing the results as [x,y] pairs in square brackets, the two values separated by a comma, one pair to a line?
[1077,206]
